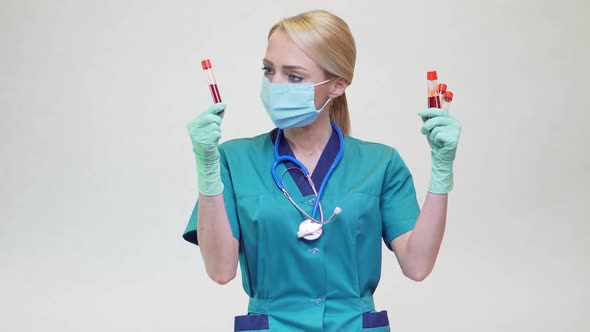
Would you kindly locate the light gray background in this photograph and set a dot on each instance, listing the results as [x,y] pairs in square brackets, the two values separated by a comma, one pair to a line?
[97,176]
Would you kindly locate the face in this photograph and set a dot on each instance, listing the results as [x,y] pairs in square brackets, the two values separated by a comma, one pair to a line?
[285,62]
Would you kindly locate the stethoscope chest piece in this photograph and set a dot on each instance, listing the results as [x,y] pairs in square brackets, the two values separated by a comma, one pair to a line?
[309,230]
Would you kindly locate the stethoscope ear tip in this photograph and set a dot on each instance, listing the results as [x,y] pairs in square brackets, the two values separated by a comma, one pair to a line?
[337,210]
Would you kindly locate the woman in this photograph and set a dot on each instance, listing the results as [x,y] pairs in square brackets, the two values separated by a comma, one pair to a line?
[302,276]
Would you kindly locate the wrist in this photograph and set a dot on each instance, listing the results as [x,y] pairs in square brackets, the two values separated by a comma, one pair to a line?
[209,176]
[206,155]
[441,177]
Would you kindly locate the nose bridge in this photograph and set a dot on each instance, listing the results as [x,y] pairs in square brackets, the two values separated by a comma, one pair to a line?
[279,77]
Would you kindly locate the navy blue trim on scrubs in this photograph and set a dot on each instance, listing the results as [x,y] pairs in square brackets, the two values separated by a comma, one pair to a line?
[251,323]
[375,319]
[324,163]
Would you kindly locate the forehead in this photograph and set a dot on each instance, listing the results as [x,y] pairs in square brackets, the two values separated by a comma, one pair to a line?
[282,51]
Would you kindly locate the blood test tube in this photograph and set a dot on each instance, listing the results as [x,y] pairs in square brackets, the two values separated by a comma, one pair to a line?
[433,98]
[442,88]
[211,78]
[447,99]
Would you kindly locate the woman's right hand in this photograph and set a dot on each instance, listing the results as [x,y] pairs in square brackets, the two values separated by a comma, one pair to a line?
[205,132]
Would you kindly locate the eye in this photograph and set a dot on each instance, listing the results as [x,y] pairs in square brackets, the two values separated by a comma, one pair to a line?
[295,78]
[268,71]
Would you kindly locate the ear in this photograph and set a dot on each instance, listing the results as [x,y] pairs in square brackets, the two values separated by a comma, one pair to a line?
[339,87]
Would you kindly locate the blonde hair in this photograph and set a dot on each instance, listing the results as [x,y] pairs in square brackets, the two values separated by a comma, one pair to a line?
[327,40]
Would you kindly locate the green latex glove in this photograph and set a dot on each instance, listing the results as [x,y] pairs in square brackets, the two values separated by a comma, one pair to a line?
[205,133]
[442,131]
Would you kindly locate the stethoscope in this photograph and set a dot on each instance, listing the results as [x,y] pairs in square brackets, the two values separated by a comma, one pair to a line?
[311,228]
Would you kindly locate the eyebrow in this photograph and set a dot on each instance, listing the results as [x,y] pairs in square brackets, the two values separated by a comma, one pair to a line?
[266,61]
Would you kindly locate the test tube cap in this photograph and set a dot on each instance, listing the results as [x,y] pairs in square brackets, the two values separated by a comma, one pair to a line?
[431,75]
[449,94]
[442,87]
[206,64]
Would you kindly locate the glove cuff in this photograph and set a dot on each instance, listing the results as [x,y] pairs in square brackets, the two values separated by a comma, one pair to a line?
[209,177]
[441,177]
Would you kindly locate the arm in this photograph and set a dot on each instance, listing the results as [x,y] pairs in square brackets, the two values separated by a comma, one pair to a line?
[218,246]
[417,250]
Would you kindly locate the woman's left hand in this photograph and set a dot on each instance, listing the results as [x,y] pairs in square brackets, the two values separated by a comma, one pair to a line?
[442,131]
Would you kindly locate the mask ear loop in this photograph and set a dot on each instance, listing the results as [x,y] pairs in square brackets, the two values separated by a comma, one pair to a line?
[324,82]
[327,101]
[329,98]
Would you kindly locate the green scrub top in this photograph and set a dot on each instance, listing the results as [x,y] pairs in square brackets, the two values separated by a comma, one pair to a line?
[321,285]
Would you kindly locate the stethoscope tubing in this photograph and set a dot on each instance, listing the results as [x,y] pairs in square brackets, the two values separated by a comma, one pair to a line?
[332,167]
[280,159]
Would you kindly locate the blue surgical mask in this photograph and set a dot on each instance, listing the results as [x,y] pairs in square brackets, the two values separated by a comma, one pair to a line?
[290,105]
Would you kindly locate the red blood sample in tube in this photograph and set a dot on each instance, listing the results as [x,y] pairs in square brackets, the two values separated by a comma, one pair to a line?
[206,64]
[442,88]
[215,93]
[433,102]
[433,98]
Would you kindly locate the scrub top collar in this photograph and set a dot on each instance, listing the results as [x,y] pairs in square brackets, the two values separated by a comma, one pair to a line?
[324,163]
